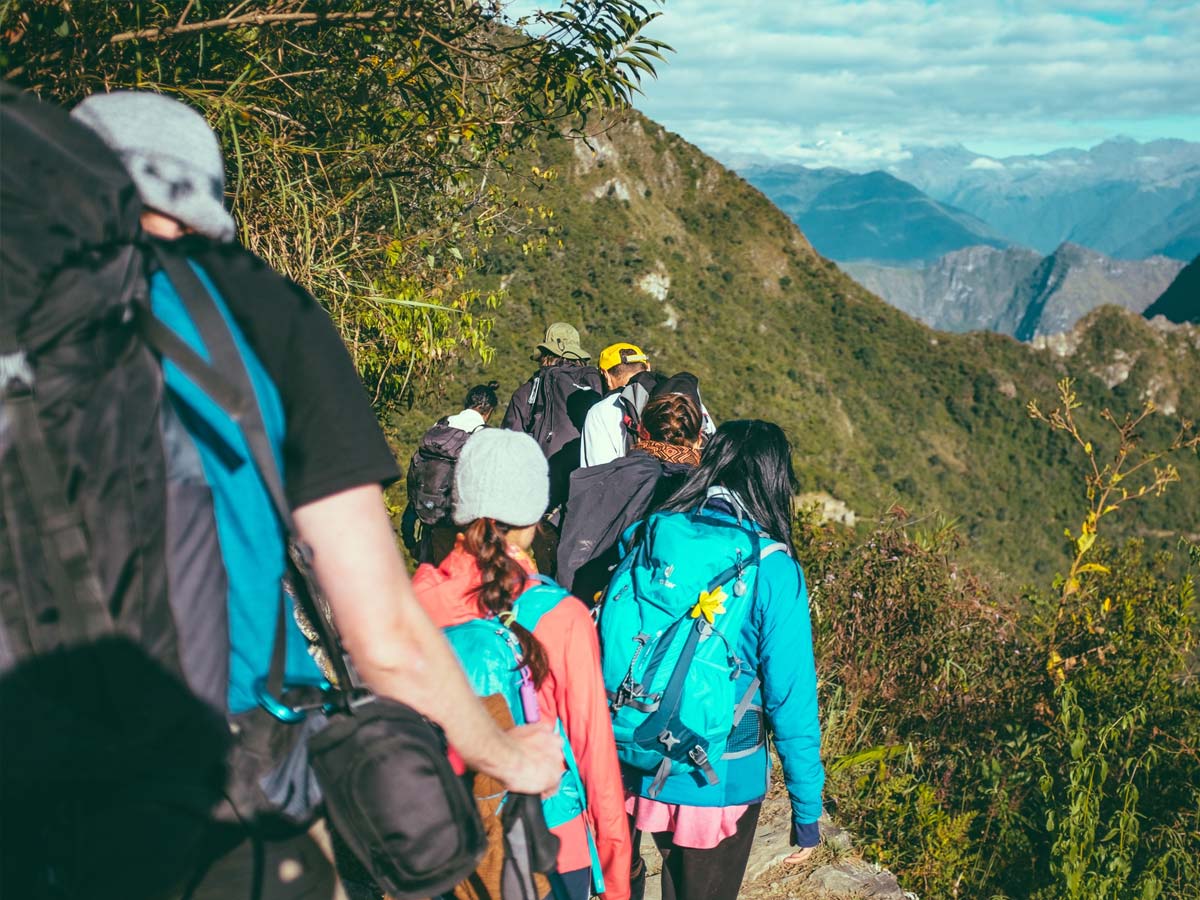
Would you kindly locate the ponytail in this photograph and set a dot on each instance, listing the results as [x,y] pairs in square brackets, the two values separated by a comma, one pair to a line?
[502,582]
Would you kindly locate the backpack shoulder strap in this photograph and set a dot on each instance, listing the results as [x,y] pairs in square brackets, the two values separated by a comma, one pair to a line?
[227,381]
[538,600]
[774,547]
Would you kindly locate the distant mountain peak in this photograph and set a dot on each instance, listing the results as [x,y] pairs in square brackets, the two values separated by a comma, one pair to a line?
[1015,290]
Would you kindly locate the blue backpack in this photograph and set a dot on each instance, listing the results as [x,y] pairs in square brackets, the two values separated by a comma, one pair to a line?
[490,655]
[669,627]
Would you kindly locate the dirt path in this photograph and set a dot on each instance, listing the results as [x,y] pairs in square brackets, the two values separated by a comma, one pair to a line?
[833,873]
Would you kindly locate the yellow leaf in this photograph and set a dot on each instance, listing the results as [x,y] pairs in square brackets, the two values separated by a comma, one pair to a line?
[1085,542]
[710,605]
[1087,448]
[1093,567]
[1071,587]
[1106,606]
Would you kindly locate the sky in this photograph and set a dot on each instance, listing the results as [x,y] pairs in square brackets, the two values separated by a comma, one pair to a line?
[852,84]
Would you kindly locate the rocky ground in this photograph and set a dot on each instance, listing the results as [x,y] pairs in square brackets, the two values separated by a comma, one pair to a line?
[834,872]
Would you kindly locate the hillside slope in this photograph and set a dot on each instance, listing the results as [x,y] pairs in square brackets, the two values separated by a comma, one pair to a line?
[659,244]
[1015,291]
[874,216]
[974,289]
[1181,301]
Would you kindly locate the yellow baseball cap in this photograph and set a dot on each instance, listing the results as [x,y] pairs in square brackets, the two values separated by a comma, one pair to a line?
[615,354]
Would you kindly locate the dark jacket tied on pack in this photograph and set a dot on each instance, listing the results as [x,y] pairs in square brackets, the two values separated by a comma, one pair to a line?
[603,502]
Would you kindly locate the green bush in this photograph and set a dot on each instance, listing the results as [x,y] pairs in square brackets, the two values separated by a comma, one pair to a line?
[1042,747]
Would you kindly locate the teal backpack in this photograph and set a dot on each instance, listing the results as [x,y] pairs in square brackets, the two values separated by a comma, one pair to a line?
[490,654]
[669,627]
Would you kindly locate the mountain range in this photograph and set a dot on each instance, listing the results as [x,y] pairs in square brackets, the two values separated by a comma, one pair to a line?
[1122,198]
[655,243]
[873,216]
[1017,291]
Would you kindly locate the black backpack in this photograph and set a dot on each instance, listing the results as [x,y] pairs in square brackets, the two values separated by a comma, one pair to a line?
[430,479]
[117,753]
[633,399]
[101,737]
[559,402]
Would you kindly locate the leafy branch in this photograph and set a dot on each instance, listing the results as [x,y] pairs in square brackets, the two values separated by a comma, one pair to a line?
[375,150]
[1130,474]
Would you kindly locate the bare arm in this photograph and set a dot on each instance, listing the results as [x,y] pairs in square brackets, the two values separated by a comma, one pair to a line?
[399,652]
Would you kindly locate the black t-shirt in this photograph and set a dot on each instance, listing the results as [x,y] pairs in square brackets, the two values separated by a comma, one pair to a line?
[333,441]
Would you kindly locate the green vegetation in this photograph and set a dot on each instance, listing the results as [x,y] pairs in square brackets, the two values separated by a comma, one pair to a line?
[405,162]
[1044,747]
[364,139]
[881,410]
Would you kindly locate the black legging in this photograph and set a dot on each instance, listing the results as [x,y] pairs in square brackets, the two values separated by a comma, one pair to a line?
[712,874]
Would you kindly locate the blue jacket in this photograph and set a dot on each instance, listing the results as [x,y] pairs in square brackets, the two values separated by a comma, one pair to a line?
[776,646]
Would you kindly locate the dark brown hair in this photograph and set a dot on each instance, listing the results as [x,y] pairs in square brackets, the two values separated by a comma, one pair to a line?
[626,370]
[672,419]
[502,582]
[546,358]
[482,398]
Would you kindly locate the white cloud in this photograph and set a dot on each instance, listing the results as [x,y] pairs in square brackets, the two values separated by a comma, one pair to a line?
[982,162]
[854,83]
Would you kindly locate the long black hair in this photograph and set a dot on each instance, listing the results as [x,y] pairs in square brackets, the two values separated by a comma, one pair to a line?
[753,459]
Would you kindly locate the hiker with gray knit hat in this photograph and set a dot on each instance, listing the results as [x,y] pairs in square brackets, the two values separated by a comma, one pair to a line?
[501,488]
[317,418]
[171,153]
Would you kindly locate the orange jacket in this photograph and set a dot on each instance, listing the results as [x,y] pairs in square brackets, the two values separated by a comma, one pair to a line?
[573,692]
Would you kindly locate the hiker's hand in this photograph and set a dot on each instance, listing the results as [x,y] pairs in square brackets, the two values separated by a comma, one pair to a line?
[538,759]
[800,856]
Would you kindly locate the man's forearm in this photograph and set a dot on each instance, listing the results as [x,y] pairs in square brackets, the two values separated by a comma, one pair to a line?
[397,650]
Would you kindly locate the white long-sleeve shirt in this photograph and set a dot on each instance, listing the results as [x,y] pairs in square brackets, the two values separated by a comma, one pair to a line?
[603,438]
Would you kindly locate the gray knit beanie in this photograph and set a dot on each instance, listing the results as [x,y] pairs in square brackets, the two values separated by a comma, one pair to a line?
[171,153]
[501,475]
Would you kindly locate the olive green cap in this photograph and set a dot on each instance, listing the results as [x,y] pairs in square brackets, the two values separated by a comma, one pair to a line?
[563,340]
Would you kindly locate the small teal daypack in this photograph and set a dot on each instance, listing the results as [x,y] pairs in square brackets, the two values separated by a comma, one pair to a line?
[669,627]
[491,657]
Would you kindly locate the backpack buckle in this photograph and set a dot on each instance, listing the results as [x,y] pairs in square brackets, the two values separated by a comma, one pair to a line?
[16,376]
[699,757]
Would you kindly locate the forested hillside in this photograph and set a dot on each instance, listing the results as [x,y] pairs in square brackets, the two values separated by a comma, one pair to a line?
[651,241]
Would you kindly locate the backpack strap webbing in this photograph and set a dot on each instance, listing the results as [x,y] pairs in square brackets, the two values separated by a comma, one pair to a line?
[538,600]
[225,379]
[79,615]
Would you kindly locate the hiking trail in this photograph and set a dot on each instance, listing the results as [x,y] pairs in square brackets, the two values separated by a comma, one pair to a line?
[835,871]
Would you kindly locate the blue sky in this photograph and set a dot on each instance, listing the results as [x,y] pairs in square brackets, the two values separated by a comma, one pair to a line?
[826,82]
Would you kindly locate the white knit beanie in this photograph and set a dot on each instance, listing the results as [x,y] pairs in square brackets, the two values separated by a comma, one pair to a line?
[501,475]
[170,152]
